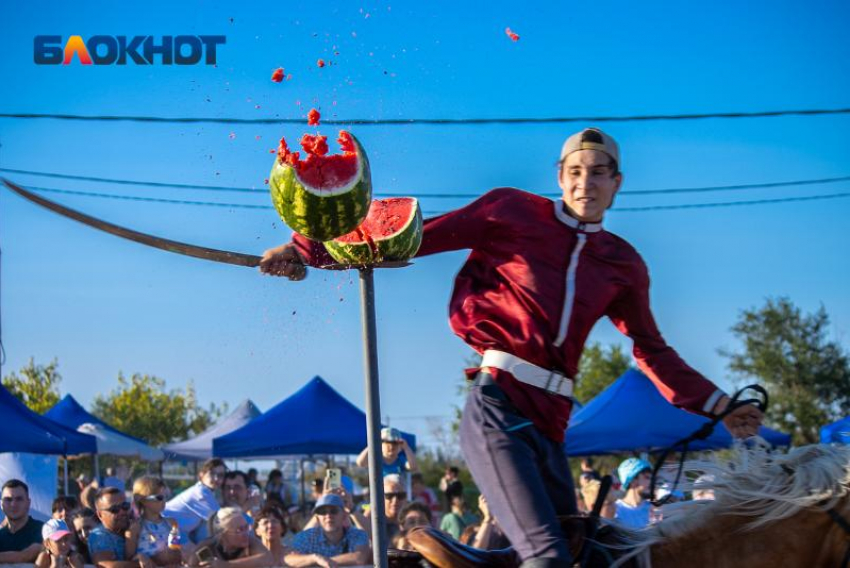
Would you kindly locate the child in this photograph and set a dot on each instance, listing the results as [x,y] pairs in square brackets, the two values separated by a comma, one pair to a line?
[57,551]
[152,536]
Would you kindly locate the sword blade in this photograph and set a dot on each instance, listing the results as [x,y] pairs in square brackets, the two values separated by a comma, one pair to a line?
[227,257]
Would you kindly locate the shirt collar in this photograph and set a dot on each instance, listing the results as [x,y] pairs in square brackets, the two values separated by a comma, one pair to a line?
[573,222]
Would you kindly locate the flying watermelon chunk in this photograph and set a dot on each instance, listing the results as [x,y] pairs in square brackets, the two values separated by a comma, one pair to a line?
[322,196]
[392,231]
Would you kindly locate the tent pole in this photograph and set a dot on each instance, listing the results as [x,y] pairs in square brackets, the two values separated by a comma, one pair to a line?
[373,417]
[65,472]
[97,469]
[303,492]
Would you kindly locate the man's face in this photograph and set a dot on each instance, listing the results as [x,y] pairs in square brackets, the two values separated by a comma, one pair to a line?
[234,492]
[15,503]
[587,184]
[114,512]
[330,517]
[394,499]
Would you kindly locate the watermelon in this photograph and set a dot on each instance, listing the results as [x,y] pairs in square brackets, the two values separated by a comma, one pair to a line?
[322,197]
[391,231]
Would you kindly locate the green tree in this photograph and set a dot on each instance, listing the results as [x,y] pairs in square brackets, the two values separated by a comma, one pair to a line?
[141,407]
[598,367]
[37,386]
[788,352]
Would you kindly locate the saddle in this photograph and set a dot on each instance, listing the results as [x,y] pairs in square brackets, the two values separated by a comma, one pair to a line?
[442,551]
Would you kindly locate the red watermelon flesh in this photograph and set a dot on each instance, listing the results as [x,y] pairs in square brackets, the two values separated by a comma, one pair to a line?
[319,170]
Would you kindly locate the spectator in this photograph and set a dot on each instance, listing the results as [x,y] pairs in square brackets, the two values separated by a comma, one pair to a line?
[255,492]
[270,528]
[83,522]
[275,490]
[232,544]
[450,484]
[458,518]
[58,552]
[149,537]
[107,545]
[633,509]
[64,507]
[588,473]
[489,535]
[424,494]
[193,508]
[398,457]
[331,543]
[317,489]
[113,479]
[590,492]
[81,482]
[395,497]
[252,480]
[88,495]
[412,514]
[234,492]
[20,537]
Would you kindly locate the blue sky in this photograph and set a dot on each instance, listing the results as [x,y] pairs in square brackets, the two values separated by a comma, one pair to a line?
[101,305]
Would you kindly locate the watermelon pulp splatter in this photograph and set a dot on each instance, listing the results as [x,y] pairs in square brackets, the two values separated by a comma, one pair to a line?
[277,76]
[322,196]
[391,231]
[313,117]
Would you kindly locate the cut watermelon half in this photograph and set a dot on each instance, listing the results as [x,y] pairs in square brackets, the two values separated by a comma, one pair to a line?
[392,231]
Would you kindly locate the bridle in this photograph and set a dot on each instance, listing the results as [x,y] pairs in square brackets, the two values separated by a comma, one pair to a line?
[845,526]
[701,434]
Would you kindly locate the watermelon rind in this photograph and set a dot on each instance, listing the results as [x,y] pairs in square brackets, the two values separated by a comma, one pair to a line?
[324,214]
[401,245]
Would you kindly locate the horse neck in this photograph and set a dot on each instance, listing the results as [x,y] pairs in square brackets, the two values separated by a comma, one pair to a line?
[809,538]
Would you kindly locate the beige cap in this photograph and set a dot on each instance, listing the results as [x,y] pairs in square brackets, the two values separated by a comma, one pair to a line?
[591,139]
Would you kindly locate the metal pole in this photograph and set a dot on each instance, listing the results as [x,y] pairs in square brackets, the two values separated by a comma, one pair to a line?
[373,418]
[65,472]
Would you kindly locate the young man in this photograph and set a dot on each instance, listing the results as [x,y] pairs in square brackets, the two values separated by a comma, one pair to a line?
[539,277]
[633,509]
[20,537]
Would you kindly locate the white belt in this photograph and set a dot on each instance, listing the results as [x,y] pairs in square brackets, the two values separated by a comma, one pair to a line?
[529,373]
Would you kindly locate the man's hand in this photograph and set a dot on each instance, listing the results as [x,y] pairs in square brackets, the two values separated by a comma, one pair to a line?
[742,422]
[324,562]
[145,562]
[283,261]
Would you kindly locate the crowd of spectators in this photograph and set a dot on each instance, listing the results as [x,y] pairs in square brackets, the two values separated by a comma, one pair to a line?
[228,520]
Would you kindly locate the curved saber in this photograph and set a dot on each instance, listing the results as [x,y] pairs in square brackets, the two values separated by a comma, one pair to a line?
[228,257]
[216,255]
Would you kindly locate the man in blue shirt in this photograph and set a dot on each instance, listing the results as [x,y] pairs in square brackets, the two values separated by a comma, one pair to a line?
[106,542]
[330,544]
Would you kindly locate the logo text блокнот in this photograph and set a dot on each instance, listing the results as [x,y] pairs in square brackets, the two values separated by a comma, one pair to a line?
[118,50]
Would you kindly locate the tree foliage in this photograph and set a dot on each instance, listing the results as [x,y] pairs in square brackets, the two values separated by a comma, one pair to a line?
[789,353]
[598,367]
[141,407]
[37,386]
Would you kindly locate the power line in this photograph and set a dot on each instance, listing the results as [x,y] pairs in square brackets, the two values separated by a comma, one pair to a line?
[624,209]
[431,121]
[737,187]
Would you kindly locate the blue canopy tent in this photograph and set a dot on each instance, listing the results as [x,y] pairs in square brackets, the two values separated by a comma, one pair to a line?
[631,415]
[28,432]
[314,420]
[201,446]
[836,433]
[69,413]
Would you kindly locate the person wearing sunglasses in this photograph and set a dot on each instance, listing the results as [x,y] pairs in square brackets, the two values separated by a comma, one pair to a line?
[332,543]
[149,536]
[194,507]
[107,544]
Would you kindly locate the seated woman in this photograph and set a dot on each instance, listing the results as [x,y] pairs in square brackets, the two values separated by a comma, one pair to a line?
[232,544]
[57,551]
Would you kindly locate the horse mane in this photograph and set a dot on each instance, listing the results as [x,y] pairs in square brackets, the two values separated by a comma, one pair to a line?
[755,483]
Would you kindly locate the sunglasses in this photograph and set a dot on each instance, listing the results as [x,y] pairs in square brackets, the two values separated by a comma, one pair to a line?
[115,509]
[400,496]
[154,498]
[328,511]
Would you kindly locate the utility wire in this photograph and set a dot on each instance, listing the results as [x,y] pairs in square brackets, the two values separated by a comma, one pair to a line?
[625,209]
[434,195]
[437,121]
